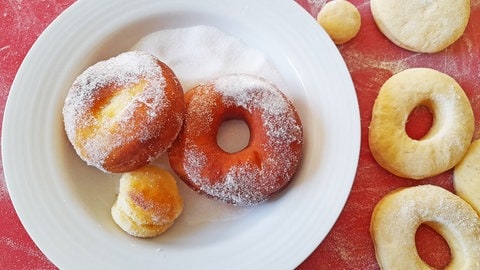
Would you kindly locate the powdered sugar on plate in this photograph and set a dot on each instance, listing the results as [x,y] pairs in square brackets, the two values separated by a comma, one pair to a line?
[201,53]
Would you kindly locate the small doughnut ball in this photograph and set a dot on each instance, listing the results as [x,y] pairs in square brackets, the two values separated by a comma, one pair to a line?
[148,202]
[446,142]
[398,215]
[340,19]
[466,178]
[255,173]
[123,112]
[421,26]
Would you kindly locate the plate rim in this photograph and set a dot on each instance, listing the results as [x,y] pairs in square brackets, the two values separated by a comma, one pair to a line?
[8,127]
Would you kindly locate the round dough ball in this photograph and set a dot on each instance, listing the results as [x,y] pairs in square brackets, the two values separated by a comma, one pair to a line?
[340,19]
[424,26]
[148,202]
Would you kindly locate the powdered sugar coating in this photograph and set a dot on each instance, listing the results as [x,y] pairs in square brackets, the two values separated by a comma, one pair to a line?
[256,172]
[256,94]
[398,215]
[94,135]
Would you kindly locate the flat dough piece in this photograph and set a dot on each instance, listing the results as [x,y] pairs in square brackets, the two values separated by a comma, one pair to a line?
[467,176]
[425,26]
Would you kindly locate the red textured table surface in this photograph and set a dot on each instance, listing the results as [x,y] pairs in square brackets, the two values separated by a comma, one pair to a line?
[371,59]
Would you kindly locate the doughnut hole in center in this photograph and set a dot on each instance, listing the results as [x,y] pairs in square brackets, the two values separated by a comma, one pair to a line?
[419,122]
[233,135]
[432,248]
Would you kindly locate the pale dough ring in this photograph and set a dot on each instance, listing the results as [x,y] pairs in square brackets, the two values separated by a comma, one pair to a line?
[467,176]
[398,215]
[446,142]
[340,19]
[425,26]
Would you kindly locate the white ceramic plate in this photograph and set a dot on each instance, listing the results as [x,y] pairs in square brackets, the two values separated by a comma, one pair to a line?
[64,205]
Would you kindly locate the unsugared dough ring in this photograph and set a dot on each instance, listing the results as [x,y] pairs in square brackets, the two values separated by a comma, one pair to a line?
[446,142]
[421,25]
[256,172]
[123,112]
[466,178]
[397,216]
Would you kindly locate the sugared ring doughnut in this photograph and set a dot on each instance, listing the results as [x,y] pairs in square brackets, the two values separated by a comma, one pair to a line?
[256,172]
[466,178]
[148,202]
[123,112]
[398,215]
[446,142]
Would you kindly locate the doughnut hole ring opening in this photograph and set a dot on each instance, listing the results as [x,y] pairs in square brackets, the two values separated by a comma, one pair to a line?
[123,112]
[398,215]
[446,142]
[255,173]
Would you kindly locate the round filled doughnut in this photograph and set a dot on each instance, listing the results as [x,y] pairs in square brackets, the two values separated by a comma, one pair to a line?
[148,202]
[123,112]
[466,178]
[397,216]
[340,19]
[421,26]
[255,173]
[446,142]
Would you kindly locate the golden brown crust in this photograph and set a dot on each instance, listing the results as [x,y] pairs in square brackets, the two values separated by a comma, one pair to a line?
[148,202]
[167,124]
[255,173]
[119,122]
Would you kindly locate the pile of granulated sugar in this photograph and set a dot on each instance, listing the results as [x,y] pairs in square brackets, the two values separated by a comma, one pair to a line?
[200,53]
[196,55]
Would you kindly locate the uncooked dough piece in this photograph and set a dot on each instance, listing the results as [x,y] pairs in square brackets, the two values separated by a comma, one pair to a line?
[340,19]
[446,142]
[397,216]
[467,176]
[425,26]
